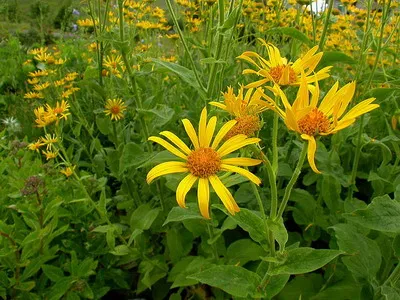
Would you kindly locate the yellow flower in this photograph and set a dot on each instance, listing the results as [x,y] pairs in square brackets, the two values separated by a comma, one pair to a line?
[205,161]
[279,71]
[115,108]
[68,171]
[40,87]
[304,117]
[59,82]
[33,81]
[50,154]
[60,111]
[71,76]
[245,109]
[35,146]
[38,73]
[113,61]
[49,140]
[33,95]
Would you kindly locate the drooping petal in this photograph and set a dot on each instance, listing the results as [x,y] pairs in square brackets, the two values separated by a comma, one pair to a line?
[210,131]
[203,128]
[168,167]
[241,161]
[343,96]
[167,146]
[245,173]
[176,140]
[229,147]
[222,132]
[183,188]
[312,148]
[329,100]
[203,197]
[257,83]
[224,194]
[217,104]
[191,132]
[360,109]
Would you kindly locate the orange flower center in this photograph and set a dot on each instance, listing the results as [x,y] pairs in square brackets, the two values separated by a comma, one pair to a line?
[277,73]
[58,110]
[115,110]
[247,125]
[314,122]
[204,162]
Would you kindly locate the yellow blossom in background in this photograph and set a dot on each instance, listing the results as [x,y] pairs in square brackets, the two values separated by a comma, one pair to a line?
[38,73]
[60,111]
[205,161]
[36,145]
[33,95]
[59,82]
[279,71]
[33,81]
[71,76]
[50,154]
[37,51]
[115,108]
[68,171]
[40,87]
[113,61]
[310,120]
[49,140]
[87,23]
[245,108]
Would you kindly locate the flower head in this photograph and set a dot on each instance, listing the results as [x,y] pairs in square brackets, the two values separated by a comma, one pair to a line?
[115,108]
[205,161]
[68,171]
[281,72]
[310,120]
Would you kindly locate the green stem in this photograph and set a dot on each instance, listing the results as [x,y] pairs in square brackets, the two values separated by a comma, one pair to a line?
[189,54]
[275,144]
[213,246]
[115,136]
[328,16]
[394,276]
[292,181]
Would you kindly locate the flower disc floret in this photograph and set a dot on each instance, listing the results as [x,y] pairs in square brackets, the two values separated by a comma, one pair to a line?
[203,162]
[314,123]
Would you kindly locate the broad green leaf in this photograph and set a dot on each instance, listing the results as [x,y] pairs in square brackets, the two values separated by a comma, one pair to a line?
[346,288]
[381,94]
[184,73]
[292,32]
[150,272]
[235,280]
[34,266]
[302,287]
[331,189]
[280,233]
[178,214]
[25,286]
[52,272]
[330,58]
[305,260]
[242,251]
[248,221]
[179,242]
[132,155]
[162,113]
[143,217]
[104,124]
[60,288]
[187,266]
[364,255]
[396,246]
[390,293]
[120,250]
[382,214]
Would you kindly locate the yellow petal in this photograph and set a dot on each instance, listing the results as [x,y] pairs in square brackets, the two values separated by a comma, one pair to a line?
[257,83]
[191,132]
[224,194]
[241,161]
[344,96]
[183,188]
[203,128]
[360,109]
[230,146]
[203,197]
[167,146]
[210,131]
[245,173]
[329,100]
[176,140]
[312,147]
[217,104]
[222,132]
[168,167]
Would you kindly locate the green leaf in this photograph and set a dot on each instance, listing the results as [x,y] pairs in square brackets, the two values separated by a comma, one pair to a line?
[304,260]
[162,113]
[249,221]
[52,272]
[132,155]
[275,284]
[330,58]
[110,238]
[188,265]
[60,288]
[381,94]
[120,250]
[184,73]
[364,258]
[390,293]
[143,217]
[331,189]
[292,32]
[179,242]
[280,233]
[25,286]
[104,124]
[302,287]
[242,251]
[34,266]
[178,214]
[235,280]
[383,214]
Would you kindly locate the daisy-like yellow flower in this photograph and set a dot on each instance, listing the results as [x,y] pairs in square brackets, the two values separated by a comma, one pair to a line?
[113,61]
[36,145]
[33,81]
[71,76]
[278,70]
[33,95]
[49,140]
[59,82]
[60,111]
[115,108]
[245,108]
[41,87]
[68,171]
[38,73]
[205,161]
[310,120]
[50,154]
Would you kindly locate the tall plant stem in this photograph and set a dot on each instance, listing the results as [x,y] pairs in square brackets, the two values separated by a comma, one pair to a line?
[292,181]
[188,53]
[213,246]
[326,24]
[275,127]
[214,67]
